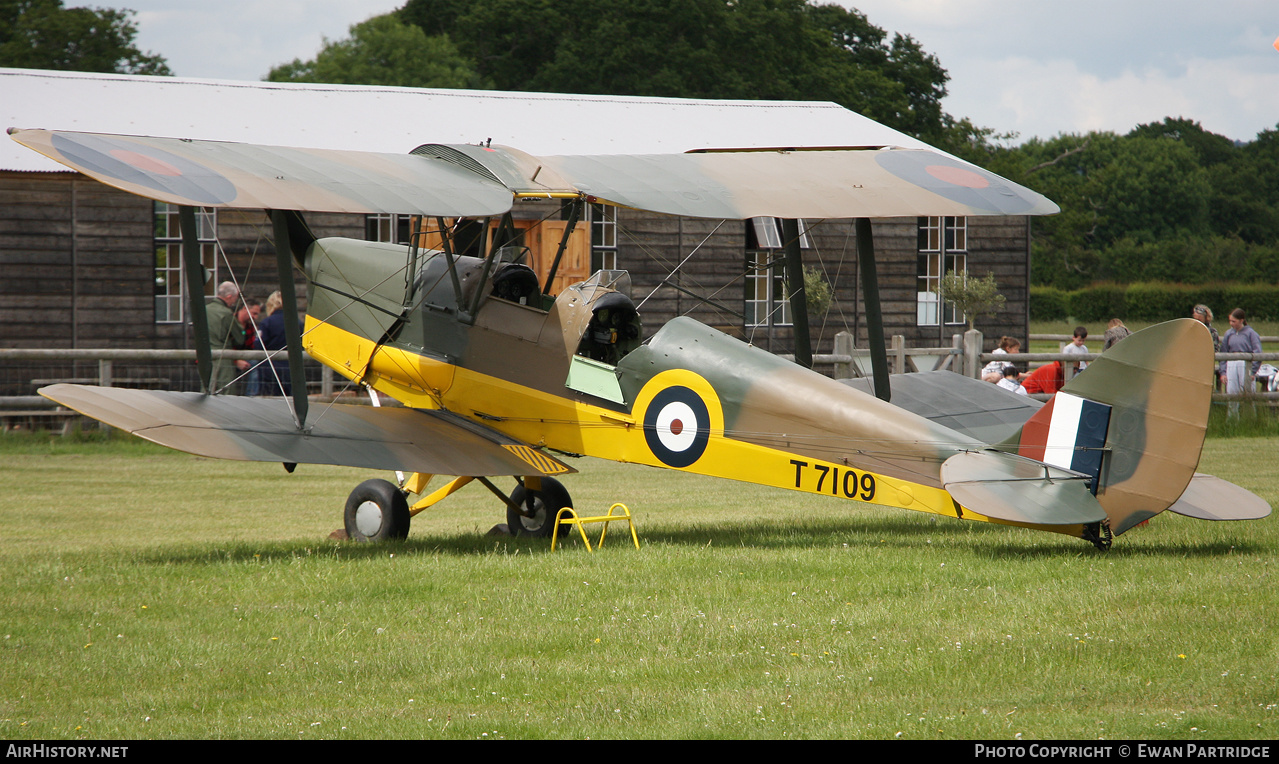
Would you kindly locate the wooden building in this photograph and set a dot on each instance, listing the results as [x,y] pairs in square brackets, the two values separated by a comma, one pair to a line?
[83,265]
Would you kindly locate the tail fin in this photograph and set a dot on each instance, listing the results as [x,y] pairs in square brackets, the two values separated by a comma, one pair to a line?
[1134,419]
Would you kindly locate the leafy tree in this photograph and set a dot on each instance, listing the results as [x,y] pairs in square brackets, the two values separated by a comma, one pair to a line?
[41,34]
[1210,148]
[748,49]
[1152,188]
[974,297]
[385,51]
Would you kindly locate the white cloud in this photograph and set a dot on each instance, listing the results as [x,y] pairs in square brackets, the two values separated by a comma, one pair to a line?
[244,39]
[1045,68]
[1044,98]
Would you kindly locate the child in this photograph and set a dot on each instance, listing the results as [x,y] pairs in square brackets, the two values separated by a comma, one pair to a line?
[1009,382]
[1077,346]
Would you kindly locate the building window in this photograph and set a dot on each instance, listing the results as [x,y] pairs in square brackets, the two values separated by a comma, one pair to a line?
[943,247]
[170,280]
[767,303]
[603,237]
[389,228]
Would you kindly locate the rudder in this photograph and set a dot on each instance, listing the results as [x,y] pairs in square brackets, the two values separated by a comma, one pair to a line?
[1157,384]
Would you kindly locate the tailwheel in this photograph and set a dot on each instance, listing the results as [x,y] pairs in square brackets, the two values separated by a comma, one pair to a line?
[537,519]
[376,511]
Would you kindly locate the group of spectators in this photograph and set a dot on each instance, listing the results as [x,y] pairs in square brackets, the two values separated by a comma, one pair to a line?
[1049,378]
[239,324]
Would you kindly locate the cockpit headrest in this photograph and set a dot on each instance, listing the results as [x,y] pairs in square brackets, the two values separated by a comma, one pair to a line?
[615,301]
[517,283]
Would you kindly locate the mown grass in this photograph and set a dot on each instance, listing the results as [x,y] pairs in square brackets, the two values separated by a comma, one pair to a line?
[153,594]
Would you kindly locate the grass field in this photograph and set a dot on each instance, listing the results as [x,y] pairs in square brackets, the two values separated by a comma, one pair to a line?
[150,594]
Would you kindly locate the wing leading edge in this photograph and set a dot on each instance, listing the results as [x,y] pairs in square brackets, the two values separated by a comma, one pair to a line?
[257,429]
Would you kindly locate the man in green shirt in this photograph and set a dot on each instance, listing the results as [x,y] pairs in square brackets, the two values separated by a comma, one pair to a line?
[225,333]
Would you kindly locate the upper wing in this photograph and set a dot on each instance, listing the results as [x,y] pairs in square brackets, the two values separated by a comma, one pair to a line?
[842,183]
[476,181]
[243,175]
[259,429]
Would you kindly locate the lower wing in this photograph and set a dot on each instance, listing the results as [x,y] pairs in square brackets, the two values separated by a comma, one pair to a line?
[263,430]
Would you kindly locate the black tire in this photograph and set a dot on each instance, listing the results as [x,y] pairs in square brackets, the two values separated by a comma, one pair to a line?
[546,505]
[376,511]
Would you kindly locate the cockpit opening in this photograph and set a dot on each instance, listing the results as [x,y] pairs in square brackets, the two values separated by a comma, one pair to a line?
[614,329]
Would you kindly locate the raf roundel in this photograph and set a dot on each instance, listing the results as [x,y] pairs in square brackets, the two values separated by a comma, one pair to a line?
[147,166]
[677,426]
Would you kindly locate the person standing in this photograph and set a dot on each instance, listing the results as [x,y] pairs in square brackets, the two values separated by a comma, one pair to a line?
[1203,314]
[1115,331]
[1240,338]
[271,333]
[225,333]
[1077,347]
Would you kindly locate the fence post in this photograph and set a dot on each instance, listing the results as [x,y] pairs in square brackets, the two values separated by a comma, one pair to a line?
[973,341]
[957,360]
[1067,368]
[326,382]
[844,346]
[899,354]
[105,374]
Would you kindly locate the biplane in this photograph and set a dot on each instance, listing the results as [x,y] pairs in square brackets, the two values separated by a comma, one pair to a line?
[501,373]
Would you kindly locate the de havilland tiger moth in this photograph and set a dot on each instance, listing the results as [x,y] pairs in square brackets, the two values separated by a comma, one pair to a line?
[499,376]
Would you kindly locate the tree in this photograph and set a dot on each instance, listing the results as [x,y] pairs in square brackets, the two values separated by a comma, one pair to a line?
[747,49]
[385,51]
[971,296]
[41,34]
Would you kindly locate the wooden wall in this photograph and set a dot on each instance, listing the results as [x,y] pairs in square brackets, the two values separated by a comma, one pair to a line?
[77,264]
[76,271]
[650,246]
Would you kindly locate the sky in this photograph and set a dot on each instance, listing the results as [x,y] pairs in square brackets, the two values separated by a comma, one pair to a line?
[1030,67]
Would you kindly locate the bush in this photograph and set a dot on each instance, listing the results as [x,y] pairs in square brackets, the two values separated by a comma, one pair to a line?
[1049,304]
[1159,302]
[1152,301]
[1260,301]
[1100,302]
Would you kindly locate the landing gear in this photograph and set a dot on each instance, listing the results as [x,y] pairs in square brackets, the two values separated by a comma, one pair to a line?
[1099,534]
[376,511]
[546,504]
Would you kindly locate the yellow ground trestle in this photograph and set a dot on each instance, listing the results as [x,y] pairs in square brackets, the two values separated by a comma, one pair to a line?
[568,516]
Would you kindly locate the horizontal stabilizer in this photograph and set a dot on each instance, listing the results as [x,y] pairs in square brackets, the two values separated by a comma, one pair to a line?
[351,435]
[1020,490]
[1211,498]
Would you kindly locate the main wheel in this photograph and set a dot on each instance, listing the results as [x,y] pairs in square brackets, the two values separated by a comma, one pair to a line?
[376,511]
[546,505]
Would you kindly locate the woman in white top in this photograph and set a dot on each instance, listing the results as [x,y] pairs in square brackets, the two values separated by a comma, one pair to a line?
[994,371]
